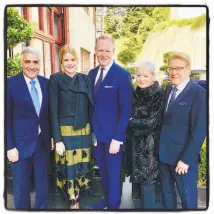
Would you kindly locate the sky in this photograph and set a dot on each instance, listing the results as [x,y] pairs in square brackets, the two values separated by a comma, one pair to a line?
[189,12]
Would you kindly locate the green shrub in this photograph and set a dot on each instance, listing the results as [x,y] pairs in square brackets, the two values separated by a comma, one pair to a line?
[126,56]
[115,35]
[198,21]
[202,169]
[13,65]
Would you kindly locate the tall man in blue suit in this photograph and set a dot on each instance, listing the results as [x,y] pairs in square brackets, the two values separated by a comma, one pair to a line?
[28,131]
[183,132]
[112,93]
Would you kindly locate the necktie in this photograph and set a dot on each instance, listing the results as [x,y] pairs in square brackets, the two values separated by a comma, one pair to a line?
[172,99]
[35,96]
[100,79]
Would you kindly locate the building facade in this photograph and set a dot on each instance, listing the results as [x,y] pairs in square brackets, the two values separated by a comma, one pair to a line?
[55,26]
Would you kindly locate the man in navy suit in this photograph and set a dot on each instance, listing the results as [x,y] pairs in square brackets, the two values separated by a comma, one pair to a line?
[183,132]
[28,131]
[112,91]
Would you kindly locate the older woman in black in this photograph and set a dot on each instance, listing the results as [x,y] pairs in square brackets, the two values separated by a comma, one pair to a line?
[71,105]
[143,134]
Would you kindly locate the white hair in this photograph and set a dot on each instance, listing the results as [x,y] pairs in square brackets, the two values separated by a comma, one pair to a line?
[32,50]
[146,64]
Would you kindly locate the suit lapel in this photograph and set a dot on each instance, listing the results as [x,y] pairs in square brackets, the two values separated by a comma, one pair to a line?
[184,92]
[180,96]
[94,75]
[167,93]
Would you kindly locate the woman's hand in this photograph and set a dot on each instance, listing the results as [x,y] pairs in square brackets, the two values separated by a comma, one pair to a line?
[60,148]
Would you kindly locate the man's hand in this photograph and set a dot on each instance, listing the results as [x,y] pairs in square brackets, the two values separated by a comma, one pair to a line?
[181,167]
[13,155]
[60,148]
[52,144]
[114,147]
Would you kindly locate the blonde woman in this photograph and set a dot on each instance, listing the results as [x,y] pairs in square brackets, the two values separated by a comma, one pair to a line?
[70,105]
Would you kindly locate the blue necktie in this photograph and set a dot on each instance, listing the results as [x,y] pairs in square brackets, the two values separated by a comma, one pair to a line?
[172,99]
[35,96]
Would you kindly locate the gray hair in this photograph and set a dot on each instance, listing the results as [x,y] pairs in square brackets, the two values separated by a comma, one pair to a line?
[146,64]
[31,50]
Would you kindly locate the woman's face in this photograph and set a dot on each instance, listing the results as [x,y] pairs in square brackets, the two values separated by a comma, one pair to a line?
[69,63]
[144,77]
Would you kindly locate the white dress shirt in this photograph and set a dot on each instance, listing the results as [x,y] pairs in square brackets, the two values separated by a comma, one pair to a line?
[105,71]
[38,88]
[180,89]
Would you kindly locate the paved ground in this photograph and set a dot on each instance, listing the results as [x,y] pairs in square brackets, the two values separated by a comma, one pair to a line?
[56,202]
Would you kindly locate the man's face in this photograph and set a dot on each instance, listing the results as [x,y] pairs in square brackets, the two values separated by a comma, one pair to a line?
[178,71]
[105,51]
[31,65]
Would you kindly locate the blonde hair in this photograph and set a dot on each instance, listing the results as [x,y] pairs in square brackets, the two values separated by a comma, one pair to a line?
[180,55]
[105,37]
[67,49]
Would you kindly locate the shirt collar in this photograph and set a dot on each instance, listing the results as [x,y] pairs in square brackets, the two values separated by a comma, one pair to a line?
[106,69]
[28,79]
[181,86]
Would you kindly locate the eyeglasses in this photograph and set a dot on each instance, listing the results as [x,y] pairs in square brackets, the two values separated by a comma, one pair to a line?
[171,69]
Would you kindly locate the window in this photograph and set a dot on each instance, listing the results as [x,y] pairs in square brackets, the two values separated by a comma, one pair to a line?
[35,18]
[85,61]
[47,13]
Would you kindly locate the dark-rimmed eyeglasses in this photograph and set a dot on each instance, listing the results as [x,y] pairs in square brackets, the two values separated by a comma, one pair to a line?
[171,69]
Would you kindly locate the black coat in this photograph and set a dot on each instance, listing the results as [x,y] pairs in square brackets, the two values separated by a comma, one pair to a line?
[143,134]
[64,111]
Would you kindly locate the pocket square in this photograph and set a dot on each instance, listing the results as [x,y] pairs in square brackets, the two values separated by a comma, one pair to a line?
[108,86]
[182,103]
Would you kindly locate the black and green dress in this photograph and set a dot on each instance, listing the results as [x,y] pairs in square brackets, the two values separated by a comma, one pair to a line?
[71,106]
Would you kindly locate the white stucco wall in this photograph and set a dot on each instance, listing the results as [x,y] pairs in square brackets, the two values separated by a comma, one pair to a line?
[185,39]
[82,31]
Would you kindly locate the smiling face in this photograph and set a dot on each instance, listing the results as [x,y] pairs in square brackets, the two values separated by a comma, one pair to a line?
[144,77]
[105,51]
[31,65]
[69,64]
[178,71]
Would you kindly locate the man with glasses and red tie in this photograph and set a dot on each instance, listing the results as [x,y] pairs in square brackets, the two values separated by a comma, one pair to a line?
[182,135]
[112,92]
[28,131]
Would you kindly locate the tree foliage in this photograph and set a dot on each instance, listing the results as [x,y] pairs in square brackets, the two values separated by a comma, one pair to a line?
[165,63]
[126,56]
[133,24]
[193,23]
[18,30]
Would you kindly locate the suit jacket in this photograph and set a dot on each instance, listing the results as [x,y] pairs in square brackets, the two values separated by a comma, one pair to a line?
[113,102]
[22,119]
[184,126]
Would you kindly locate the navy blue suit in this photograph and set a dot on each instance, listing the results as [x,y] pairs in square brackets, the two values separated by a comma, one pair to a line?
[22,133]
[183,132]
[112,110]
